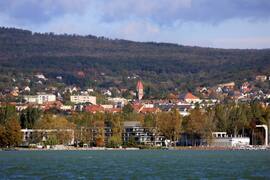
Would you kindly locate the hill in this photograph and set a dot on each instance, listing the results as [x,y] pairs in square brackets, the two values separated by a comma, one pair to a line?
[103,62]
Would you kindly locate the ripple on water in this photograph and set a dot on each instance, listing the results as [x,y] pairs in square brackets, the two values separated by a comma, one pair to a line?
[135,165]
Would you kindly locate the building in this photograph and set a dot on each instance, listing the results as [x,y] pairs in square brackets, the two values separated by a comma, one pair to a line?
[246,87]
[221,139]
[229,85]
[37,136]
[261,78]
[118,102]
[133,131]
[190,98]
[41,98]
[40,76]
[139,89]
[77,99]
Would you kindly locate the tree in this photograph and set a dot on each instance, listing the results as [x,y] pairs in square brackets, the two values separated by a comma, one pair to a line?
[10,134]
[29,117]
[127,109]
[169,124]
[58,126]
[115,141]
[117,126]
[199,126]
[99,124]
[7,113]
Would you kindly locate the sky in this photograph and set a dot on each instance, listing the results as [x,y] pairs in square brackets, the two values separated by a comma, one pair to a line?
[209,23]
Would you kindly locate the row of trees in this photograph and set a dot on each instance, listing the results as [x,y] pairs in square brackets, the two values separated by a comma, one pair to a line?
[91,129]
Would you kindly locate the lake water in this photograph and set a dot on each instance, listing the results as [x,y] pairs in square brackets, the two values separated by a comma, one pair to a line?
[141,164]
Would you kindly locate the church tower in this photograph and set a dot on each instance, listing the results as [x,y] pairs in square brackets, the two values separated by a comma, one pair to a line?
[139,90]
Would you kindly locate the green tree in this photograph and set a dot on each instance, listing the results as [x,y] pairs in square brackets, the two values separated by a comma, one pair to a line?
[7,113]
[127,109]
[29,117]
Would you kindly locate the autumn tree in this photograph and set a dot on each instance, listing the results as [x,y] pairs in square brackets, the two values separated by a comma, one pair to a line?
[98,126]
[58,126]
[116,124]
[10,130]
[169,124]
[84,123]
[198,125]
[10,134]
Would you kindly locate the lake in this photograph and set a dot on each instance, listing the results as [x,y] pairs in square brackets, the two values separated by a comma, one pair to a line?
[140,164]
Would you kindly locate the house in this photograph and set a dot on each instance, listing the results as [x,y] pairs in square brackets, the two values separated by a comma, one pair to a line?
[261,78]
[59,77]
[41,76]
[145,108]
[71,89]
[229,85]
[118,102]
[190,98]
[26,89]
[107,93]
[77,99]
[245,88]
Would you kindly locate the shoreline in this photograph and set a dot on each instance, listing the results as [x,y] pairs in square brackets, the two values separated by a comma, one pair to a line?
[179,148]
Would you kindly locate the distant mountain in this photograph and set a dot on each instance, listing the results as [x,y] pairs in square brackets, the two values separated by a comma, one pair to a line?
[103,62]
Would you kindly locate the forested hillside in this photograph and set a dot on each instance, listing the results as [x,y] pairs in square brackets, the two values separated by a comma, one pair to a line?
[102,62]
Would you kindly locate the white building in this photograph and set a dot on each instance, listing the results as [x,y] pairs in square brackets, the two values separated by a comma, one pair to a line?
[223,140]
[118,102]
[83,99]
[40,98]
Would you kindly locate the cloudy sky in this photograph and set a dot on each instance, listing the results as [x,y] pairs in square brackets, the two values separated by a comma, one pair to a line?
[208,23]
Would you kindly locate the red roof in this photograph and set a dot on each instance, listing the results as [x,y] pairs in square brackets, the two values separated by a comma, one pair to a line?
[94,108]
[139,85]
[150,110]
[113,110]
[190,96]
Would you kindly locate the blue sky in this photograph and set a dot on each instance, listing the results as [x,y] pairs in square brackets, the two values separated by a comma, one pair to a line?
[208,23]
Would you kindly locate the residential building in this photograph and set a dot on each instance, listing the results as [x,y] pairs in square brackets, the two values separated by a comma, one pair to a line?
[190,98]
[261,78]
[118,102]
[77,99]
[40,98]
[229,85]
[133,131]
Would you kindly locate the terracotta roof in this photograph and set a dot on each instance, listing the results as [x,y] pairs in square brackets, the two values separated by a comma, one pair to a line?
[139,85]
[150,110]
[113,110]
[94,108]
[190,96]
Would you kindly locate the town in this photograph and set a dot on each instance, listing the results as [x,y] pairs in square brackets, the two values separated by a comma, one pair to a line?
[35,114]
